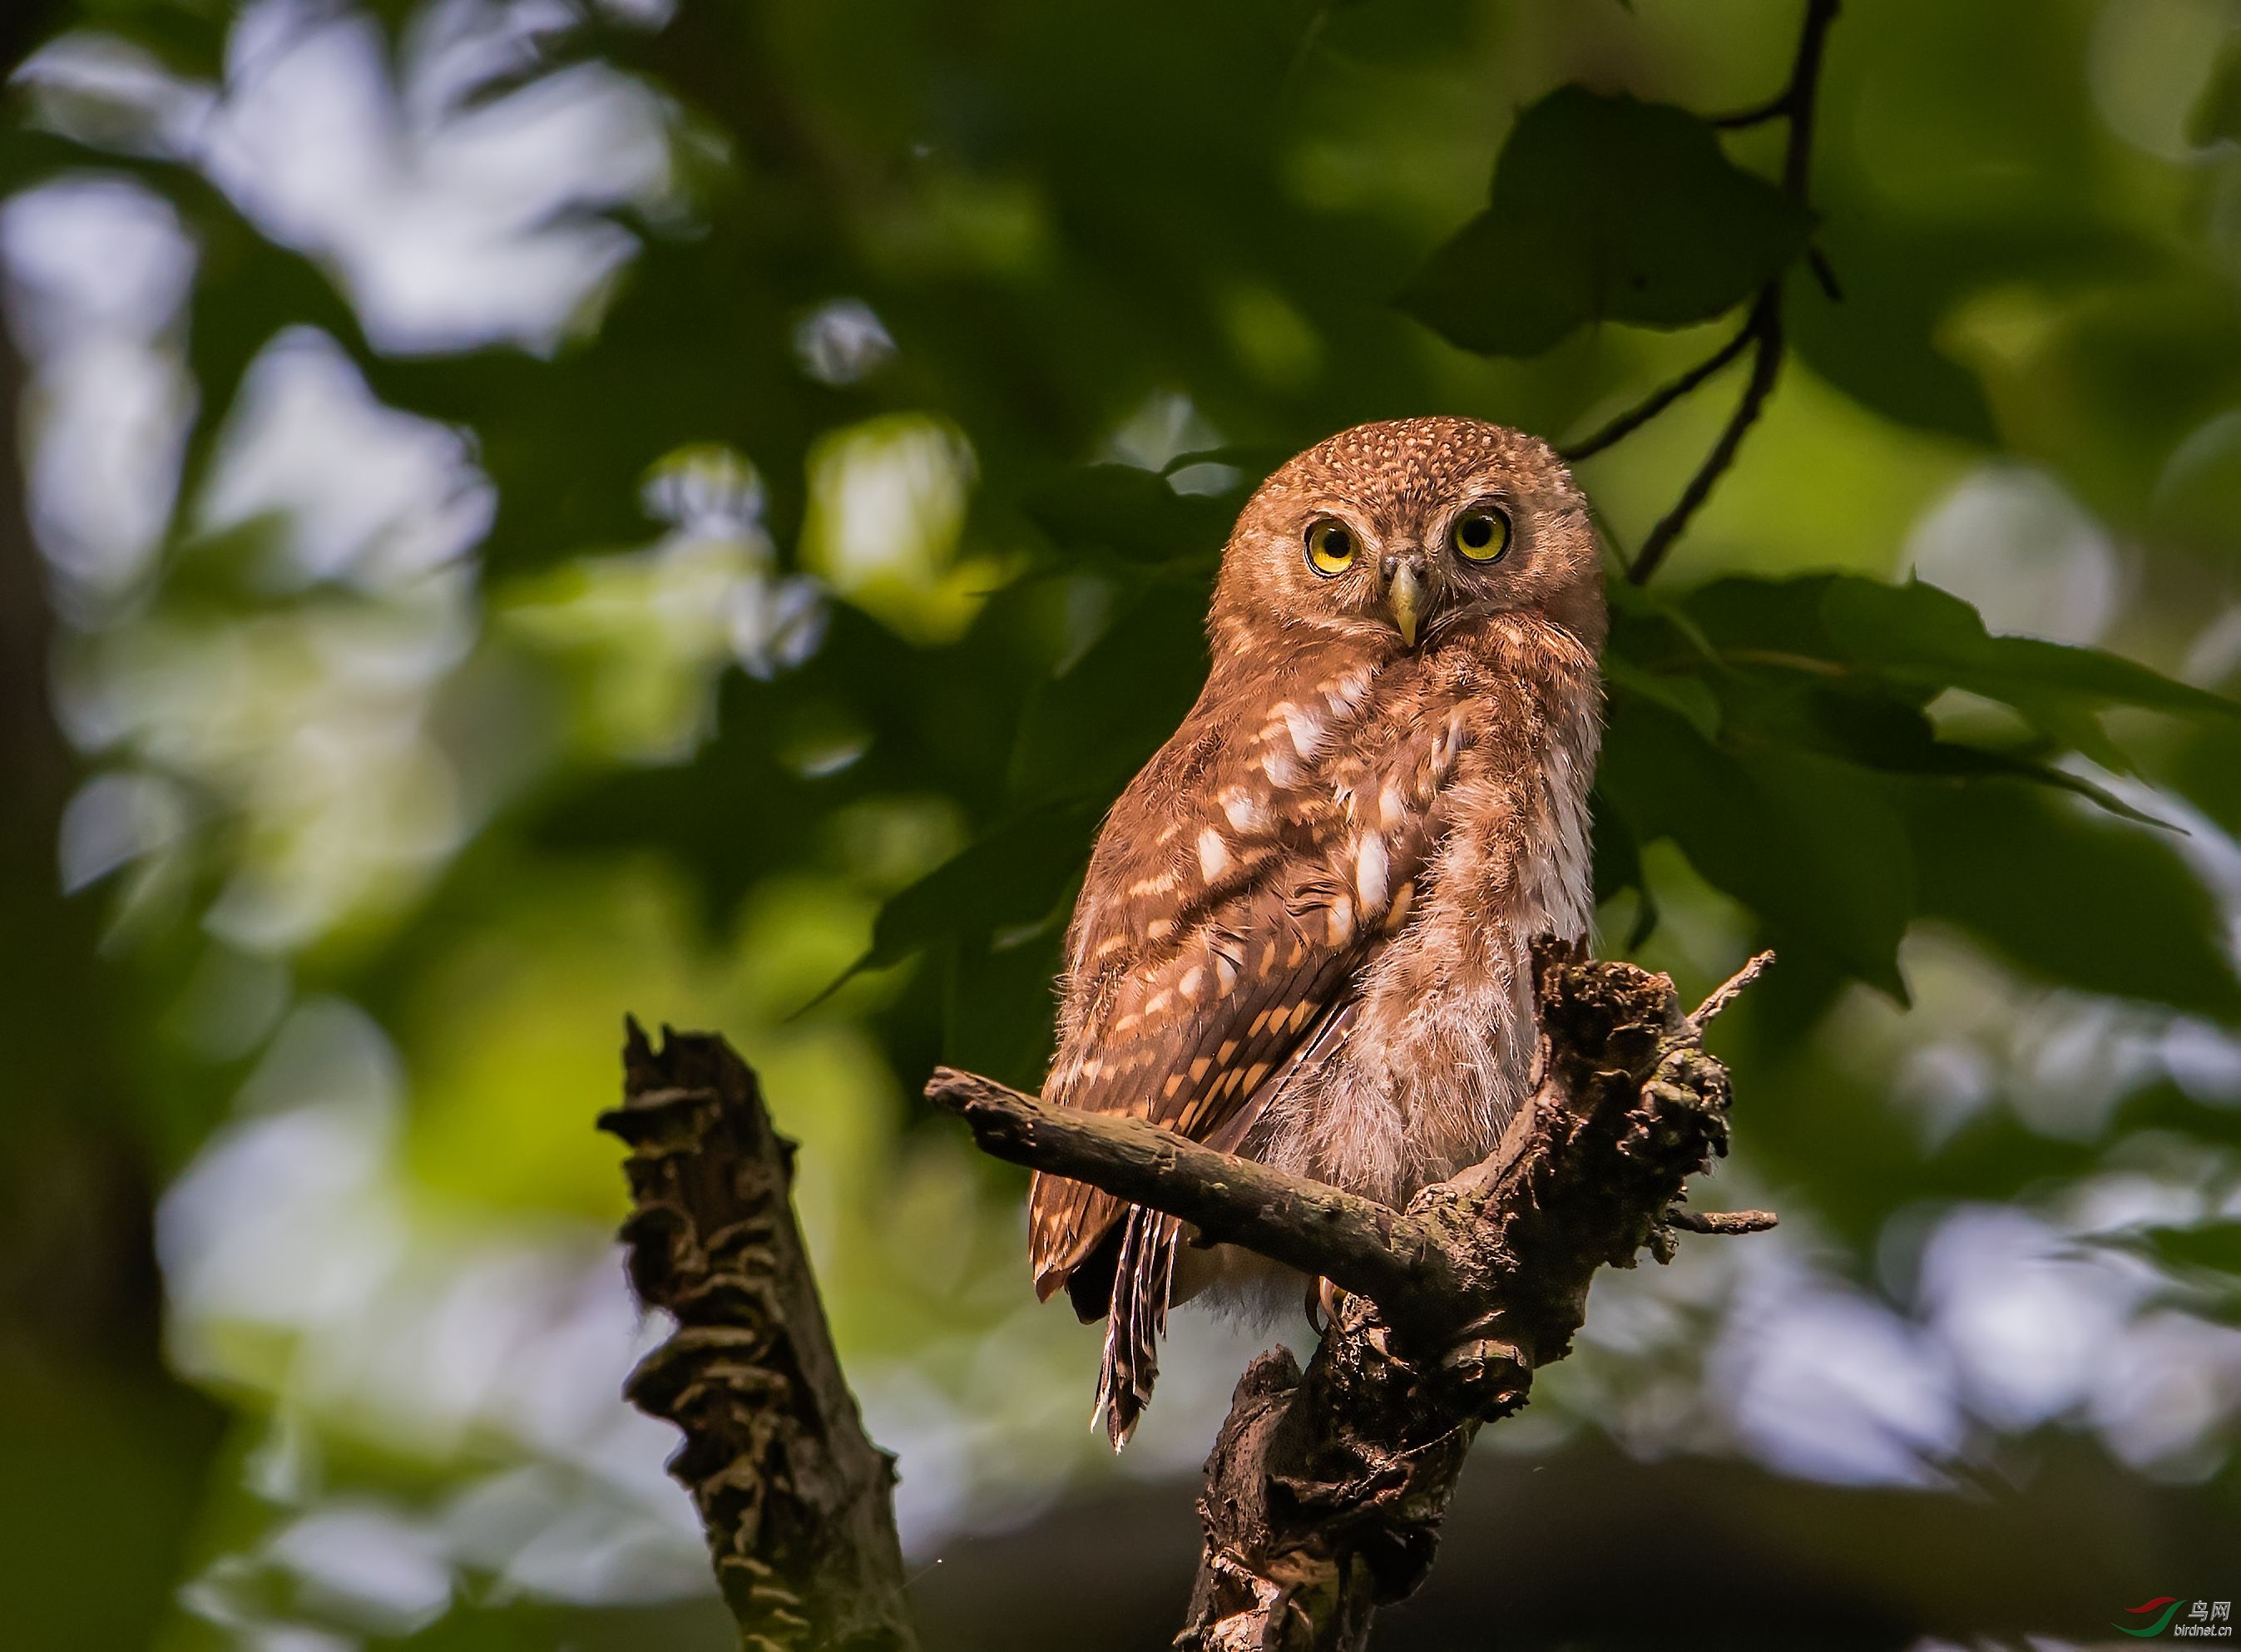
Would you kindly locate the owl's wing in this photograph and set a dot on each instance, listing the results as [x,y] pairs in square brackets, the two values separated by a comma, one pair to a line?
[1277,900]
[1200,1066]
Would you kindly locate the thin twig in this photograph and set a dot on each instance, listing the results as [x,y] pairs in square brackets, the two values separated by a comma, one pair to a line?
[1635,417]
[1764,330]
[1825,273]
[1804,96]
[1756,114]
[1724,995]
[1721,1222]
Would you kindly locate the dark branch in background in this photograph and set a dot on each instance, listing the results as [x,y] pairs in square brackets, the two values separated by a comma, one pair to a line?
[1326,1488]
[1658,400]
[1763,332]
[797,1500]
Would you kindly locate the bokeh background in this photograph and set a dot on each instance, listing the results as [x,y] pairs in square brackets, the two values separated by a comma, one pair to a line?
[530,510]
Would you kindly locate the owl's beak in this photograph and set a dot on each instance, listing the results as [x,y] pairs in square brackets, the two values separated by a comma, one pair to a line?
[1404,594]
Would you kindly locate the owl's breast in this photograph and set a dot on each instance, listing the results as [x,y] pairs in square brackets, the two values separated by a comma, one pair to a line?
[1439,1043]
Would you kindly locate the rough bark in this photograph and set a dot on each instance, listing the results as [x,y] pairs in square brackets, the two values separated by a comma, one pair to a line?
[797,1500]
[1326,1489]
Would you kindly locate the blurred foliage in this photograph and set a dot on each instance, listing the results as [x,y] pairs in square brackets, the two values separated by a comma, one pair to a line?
[809,530]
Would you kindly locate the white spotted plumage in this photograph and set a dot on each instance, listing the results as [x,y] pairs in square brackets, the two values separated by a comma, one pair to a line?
[1303,935]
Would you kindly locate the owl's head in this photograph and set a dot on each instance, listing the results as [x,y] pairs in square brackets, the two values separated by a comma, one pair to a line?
[1397,532]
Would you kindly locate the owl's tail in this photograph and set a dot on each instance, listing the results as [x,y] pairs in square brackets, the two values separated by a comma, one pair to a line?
[1135,1321]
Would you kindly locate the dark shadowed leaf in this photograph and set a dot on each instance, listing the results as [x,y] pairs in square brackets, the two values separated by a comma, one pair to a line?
[1010,879]
[1916,631]
[2217,114]
[1085,733]
[1129,514]
[2084,901]
[1813,845]
[1618,867]
[1605,209]
[1915,642]
[1865,721]
[997,1005]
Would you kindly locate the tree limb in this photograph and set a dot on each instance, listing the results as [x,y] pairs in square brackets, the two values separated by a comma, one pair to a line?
[797,1500]
[1354,1242]
[1326,1489]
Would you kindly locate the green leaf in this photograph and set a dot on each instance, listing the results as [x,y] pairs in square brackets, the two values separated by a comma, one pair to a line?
[1010,879]
[1811,844]
[1129,514]
[1617,860]
[997,1015]
[1936,638]
[1604,209]
[1685,696]
[1918,641]
[2204,1262]
[2217,114]
[1086,732]
[2215,1245]
[1863,721]
[2076,899]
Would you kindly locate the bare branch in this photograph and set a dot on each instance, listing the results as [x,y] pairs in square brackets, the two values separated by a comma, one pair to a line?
[1365,1247]
[1721,1222]
[1658,400]
[1763,331]
[1803,95]
[1726,992]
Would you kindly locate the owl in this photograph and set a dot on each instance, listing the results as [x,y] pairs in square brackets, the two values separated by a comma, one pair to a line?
[1303,935]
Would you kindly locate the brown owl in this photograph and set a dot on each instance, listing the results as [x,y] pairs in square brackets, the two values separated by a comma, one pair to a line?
[1303,935]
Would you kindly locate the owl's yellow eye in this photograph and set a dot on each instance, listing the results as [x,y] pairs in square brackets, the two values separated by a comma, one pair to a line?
[1330,547]
[1481,535]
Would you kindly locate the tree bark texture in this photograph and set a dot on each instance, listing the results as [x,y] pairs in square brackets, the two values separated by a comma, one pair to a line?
[1326,1489]
[797,1500]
